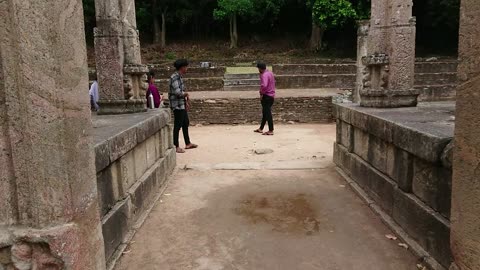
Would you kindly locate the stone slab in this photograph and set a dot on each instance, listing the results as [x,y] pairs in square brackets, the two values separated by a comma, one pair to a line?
[423,131]
[115,135]
[428,228]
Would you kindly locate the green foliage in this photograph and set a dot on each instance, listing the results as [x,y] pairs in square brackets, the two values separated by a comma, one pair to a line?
[170,56]
[227,8]
[266,10]
[331,13]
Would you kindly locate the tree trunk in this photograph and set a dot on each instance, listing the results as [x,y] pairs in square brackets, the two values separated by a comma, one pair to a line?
[163,40]
[156,24]
[316,38]
[233,32]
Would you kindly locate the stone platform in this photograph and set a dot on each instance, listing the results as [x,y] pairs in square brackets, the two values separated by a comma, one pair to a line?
[240,107]
[399,161]
[134,157]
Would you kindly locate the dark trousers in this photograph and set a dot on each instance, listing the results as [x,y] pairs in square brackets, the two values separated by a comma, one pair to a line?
[267,103]
[182,122]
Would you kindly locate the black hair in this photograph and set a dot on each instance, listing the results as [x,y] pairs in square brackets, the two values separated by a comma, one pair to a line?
[151,75]
[261,65]
[180,63]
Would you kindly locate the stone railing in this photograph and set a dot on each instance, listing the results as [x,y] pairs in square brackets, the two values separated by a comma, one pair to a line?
[134,158]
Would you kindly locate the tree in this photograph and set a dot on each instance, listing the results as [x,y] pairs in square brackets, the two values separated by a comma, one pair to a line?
[327,14]
[230,9]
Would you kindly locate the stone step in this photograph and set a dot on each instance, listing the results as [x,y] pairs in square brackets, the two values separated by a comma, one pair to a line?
[301,69]
[445,92]
[253,82]
[436,78]
[343,81]
[436,67]
[241,76]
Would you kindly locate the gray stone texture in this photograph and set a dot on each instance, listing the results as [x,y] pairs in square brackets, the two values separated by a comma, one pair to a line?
[135,158]
[362,51]
[465,216]
[48,191]
[389,80]
[397,160]
[121,75]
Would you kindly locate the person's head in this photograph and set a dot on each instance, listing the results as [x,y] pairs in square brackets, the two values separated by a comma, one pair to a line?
[181,65]
[151,77]
[261,67]
[94,77]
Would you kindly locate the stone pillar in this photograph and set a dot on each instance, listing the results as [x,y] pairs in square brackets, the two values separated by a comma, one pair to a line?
[465,219]
[49,216]
[362,52]
[121,75]
[390,63]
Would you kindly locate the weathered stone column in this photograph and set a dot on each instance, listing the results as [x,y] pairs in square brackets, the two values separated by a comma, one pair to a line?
[390,63]
[121,75]
[465,227]
[362,52]
[49,216]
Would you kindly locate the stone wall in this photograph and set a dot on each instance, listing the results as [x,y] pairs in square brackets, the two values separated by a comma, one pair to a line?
[193,72]
[400,159]
[134,157]
[194,84]
[436,80]
[248,110]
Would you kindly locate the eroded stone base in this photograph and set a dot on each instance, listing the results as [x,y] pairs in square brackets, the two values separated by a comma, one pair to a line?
[401,159]
[108,107]
[392,99]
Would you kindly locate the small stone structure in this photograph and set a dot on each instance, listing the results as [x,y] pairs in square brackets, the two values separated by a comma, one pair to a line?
[388,67]
[121,75]
[134,156]
[466,174]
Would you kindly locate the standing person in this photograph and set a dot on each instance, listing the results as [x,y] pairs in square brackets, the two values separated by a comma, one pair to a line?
[94,96]
[267,97]
[179,103]
[152,89]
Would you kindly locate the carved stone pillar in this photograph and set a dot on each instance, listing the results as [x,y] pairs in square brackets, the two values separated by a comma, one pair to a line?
[388,80]
[362,51]
[121,75]
[49,217]
[465,218]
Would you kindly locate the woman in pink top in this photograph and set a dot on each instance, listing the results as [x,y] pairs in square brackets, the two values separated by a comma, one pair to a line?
[267,96]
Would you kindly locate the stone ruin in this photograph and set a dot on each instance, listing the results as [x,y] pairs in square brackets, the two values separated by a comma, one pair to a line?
[72,194]
[121,75]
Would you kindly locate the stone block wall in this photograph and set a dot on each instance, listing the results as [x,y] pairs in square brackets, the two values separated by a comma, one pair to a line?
[194,84]
[403,165]
[248,110]
[133,163]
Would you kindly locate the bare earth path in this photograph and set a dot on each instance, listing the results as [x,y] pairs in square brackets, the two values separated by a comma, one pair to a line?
[228,208]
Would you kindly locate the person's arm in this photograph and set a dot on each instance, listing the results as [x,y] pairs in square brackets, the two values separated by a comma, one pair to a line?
[263,84]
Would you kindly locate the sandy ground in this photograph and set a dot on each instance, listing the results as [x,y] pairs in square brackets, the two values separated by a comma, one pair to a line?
[226,211]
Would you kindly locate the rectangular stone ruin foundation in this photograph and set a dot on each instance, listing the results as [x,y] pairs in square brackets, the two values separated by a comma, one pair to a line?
[134,157]
[399,162]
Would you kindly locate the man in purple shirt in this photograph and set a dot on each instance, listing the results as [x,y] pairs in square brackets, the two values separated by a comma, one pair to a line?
[267,96]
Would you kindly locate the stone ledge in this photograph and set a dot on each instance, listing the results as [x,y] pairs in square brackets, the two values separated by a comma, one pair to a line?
[426,227]
[121,219]
[116,135]
[423,131]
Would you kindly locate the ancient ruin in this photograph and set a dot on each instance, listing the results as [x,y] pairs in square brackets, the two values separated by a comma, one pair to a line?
[76,187]
[121,75]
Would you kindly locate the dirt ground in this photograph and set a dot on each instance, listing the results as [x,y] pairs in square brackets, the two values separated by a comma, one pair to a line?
[227,207]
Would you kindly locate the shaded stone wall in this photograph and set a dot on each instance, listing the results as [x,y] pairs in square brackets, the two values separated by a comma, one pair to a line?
[248,110]
[466,186]
[400,161]
[134,158]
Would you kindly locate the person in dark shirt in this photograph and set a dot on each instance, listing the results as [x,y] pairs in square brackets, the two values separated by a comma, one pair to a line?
[179,103]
